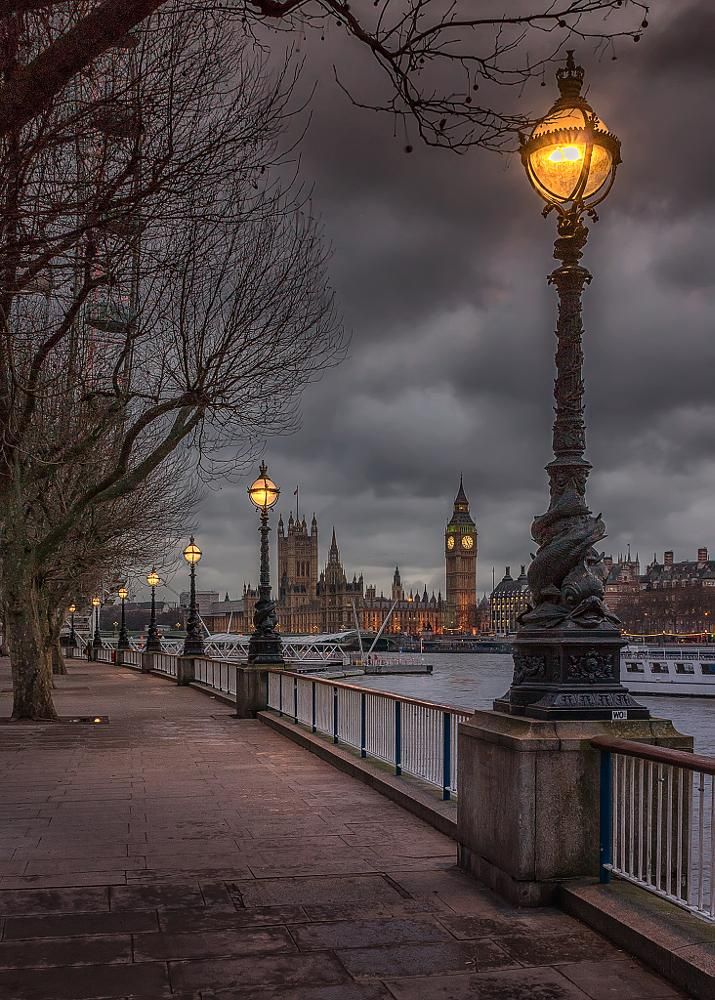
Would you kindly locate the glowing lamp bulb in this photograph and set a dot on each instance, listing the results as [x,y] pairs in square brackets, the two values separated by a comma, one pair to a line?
[566,153]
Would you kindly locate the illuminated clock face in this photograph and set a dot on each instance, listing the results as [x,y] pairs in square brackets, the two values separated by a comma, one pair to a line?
[467,542]
[450,542]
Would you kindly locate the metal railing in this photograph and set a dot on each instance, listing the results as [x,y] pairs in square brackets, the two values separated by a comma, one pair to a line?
[657,822]
[129,657]
[219,675]
[165,663]
[105,655]
[415,737]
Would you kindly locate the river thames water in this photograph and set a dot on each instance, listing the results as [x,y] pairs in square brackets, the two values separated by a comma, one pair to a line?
[475,680]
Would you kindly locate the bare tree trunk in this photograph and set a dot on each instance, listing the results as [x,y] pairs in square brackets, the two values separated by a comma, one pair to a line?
[58,660]
[27,636]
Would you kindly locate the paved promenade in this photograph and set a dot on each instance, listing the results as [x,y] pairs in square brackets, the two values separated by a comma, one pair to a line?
[177,852]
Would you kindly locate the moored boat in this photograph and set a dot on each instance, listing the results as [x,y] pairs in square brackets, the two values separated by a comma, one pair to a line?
[682,671]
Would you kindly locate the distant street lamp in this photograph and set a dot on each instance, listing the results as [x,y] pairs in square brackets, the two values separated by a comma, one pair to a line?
[265,644]
[567,647]
[193,643]
[123,637]
[73,635]
[153,642]
[97,641]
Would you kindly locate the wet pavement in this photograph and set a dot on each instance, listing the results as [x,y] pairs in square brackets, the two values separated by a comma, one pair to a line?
[178,852]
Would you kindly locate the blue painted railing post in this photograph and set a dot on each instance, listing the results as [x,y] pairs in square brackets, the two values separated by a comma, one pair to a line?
[295,700]
[335,715]
[446,755]
[312,724]
[363,725]
[398,737]
[605,816]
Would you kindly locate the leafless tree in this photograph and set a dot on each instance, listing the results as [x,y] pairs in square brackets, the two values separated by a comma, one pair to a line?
[159,290]
[113,541]
[437,54]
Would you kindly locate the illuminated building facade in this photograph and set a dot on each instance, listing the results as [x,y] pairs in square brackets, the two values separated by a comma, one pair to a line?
[460,554]
[510,598]
[327,601]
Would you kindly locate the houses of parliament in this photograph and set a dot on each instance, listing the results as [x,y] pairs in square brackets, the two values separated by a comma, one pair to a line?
[311,600]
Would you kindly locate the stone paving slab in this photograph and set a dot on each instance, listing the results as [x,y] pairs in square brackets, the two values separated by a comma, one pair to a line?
[178,853]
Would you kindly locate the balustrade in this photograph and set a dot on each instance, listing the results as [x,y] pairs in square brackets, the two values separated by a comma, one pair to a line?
[418,738]
[658,822]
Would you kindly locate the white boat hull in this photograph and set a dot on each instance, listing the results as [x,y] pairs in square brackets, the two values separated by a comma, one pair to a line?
[671,671]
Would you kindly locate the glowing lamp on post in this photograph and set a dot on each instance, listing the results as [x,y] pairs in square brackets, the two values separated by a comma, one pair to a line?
[153,642]
[193,643]
[123,642]
[73,637]
[570,157]
[263,492]
[265,644]
[568,643]
[97,640]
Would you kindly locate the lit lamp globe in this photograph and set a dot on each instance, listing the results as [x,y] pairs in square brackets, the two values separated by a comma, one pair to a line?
[570,157]
[153,578]
[123,593]
[72,608]
[263,492]
[96,602]
[192,554]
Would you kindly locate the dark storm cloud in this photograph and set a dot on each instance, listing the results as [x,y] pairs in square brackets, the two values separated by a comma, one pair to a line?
[440,267]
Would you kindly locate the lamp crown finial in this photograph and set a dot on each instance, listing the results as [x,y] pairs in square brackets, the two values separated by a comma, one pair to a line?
[570,77]
[264,469]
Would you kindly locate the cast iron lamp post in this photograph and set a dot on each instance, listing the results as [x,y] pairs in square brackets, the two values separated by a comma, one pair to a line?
[73,635]
[153,642]
[193,643]
[97,641]
[123,642]
[265,645]
[567,647]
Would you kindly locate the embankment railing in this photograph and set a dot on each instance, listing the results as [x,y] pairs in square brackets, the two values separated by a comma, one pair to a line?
[418,738]
[657,822]
[216,674]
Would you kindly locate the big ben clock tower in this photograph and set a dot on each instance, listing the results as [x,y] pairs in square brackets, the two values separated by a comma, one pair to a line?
[460,553]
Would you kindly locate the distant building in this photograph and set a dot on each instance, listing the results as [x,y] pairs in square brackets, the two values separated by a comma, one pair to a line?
[312,601]
[484,615]
[205,600]
[623,583]
[510,598]
[460,553]
[672,598]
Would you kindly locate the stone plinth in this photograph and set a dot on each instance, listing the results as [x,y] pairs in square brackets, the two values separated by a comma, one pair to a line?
[252,688]
[528,808]
[185,670]
[569,673]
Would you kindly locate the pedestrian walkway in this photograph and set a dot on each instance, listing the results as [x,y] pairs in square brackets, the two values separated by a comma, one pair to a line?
[177,852]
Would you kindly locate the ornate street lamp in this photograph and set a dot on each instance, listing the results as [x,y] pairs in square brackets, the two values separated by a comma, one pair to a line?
[73,635]
[265,645]
[567,648]
[193,643]
[153,642]
[97,641]
[123,642]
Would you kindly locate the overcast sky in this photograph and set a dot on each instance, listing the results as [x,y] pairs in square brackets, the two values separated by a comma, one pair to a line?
[439,264]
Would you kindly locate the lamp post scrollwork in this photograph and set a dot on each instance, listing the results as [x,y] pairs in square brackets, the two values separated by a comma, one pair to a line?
[265,645]
[570,159]
[193,643]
